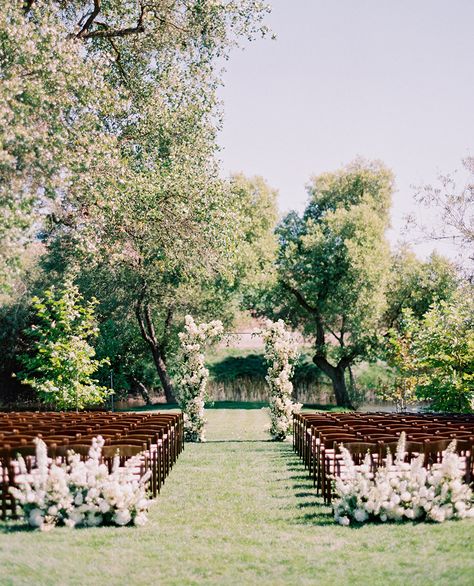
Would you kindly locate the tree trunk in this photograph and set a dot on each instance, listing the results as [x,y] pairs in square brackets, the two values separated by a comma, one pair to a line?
[340,388]
[141,388]
[147,329]
[336,374]
[163,374]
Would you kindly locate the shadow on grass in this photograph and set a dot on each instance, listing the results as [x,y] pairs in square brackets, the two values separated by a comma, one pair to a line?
[318,513]
[14,527]
[318,518]
[307,504]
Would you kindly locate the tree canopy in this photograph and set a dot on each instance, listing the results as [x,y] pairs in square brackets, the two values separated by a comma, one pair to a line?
[333,265]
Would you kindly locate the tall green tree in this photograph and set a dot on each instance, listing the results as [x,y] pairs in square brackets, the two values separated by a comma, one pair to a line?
[212,263]
[119,160]
[255,205]
[333,266]
[53,140]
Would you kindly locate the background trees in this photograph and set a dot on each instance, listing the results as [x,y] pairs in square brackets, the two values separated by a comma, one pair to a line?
[109,176]
[438,353]
[110,118]
[416,284]
[333,264]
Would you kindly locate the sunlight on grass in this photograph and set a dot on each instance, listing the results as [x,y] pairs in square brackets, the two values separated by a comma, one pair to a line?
[239,509]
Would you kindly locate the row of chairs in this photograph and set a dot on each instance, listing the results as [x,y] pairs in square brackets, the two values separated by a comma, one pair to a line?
[157,437]
[317,437]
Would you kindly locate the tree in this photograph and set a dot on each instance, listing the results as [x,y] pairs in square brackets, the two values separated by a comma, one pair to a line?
[124,112]
[62,361]
[441,345]
[455,206]
[53,139]
[207,262]
[401,384]
[255,207]
[415,284]
[333,265]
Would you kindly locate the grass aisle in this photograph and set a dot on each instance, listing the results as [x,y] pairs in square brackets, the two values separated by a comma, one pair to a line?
[240,510]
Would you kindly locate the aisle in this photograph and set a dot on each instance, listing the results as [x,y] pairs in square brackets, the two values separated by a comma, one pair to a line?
[240,492]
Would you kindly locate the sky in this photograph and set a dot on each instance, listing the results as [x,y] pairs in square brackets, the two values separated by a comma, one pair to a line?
[383,79]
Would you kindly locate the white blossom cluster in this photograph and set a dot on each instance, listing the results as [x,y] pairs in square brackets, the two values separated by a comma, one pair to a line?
[194,374]
[281,352]
[400,490]
[81,493]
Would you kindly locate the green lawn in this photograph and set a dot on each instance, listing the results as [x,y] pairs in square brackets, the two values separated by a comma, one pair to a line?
[240,510]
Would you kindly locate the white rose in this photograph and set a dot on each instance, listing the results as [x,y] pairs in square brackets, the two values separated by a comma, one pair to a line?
[140,519]
[122,517]
[35,518]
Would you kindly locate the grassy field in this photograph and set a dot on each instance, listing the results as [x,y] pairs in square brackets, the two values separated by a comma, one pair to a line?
[240,510]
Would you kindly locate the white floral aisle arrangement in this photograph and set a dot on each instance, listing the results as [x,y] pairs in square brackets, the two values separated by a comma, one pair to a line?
[402,490]
[193,374]
[81,493]
[281,352]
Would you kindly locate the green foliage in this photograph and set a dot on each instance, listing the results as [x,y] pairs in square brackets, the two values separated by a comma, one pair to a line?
[62,361]
[433,357]
[54,144]
[256,216]
[399,351]
[416,285]
[333,266]
[336,255]
[108,127]
[231,368]
[442,346]
[371,375]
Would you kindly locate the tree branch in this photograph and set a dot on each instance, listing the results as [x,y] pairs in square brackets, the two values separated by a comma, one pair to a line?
[166,329]
[138,313]
[90,20]
[108,33]
[118,61]
[320,336]
[338,338]
[141,324]
[345,361]
[27,6]
[299,297]
[149,323]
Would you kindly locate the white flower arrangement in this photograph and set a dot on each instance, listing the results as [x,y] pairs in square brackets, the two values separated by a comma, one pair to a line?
[193,374]
[402,490]
[81,493]
[281,352]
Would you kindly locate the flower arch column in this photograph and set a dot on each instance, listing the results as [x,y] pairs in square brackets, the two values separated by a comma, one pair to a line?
[281,352]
